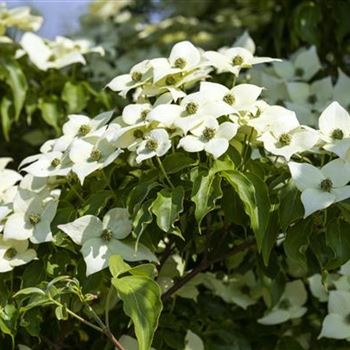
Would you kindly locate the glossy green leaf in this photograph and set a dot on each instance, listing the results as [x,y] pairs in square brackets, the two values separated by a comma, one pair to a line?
[167,208]
[5,117]
[142,303]
[76,96]
[51,111]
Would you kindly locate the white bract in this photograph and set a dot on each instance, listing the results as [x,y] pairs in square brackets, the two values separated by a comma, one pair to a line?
[290,305]
[321,187]
[14,253]
[102,239]
[336,325]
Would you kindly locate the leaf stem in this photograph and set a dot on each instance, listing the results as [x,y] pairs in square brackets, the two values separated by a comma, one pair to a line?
[164,172]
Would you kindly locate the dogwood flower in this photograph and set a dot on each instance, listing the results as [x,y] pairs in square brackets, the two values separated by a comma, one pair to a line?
[62,52]
[8,177]
[32,217]
[14,253]
[334,126]
[336,325]
[290,305]
[136,113]
[321,187]
[303,65]
[156,143]
[210,137]
[320,289]
[307,100]
[18,17]
[90,154]
[102,239]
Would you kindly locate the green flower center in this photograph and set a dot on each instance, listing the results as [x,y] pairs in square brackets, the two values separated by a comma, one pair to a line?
[55,162]
[337,134]
[191,108]
[285,139]
[136,76]
[180,63]
[152,144]
[229,99]
[34,219]
[95,155]
[52,58]
[170,80]
[138,133]
[144,113]
[284,304]
[237,61]
[299,72]
[312,99]
[84,129]
[107,235]
[326,185]
[10,253]
[209,133]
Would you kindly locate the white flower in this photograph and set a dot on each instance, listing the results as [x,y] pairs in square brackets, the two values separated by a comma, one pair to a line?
[321,187]
[303,65]
[193,341]
[290,305]
[307,100]
[336,325]
[156,143]
[56,54]
[14,253]
[102,239]
[136,113]
[8,178]
[139,74]
[286,143]
[90,154]
[233,59]
[32,217]
[319,288]
[19,17]
[334,125]
[50,164]
[210,137]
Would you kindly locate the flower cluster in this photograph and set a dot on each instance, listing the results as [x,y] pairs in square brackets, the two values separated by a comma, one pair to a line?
[62,52]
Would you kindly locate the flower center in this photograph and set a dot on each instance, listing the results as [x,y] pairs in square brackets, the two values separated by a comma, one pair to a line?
[191,108]
[337,134]
[209,133]
[326,185]
[237,61]
[312,99]
[52,58]
[299,72]
[284,304]
[55,162]
[34,219]
[95,155]
[170,80]
[107,235]
[144,113]
[285,139]
[138,133]
[11,253]
[84,129]
[152,144]
[229,99]
[180,63]
[136,76]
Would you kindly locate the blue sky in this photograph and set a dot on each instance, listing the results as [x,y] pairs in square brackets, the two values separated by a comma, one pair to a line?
[61,17]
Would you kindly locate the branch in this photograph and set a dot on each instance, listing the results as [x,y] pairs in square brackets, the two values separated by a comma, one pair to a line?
[204,264]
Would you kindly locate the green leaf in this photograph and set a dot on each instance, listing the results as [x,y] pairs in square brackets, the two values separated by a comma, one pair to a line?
[30,290]
[117,266]
[148,270]
[51,111]
[253,193]
[76,96]
[297,242]
[139,193]
[338,239]
[206,191]
[142,303]
[8,316]
[270,237]
[5,117]
[291,208]
[61,312]
[167,208]
[16,79]
[175,162]
[142,219]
